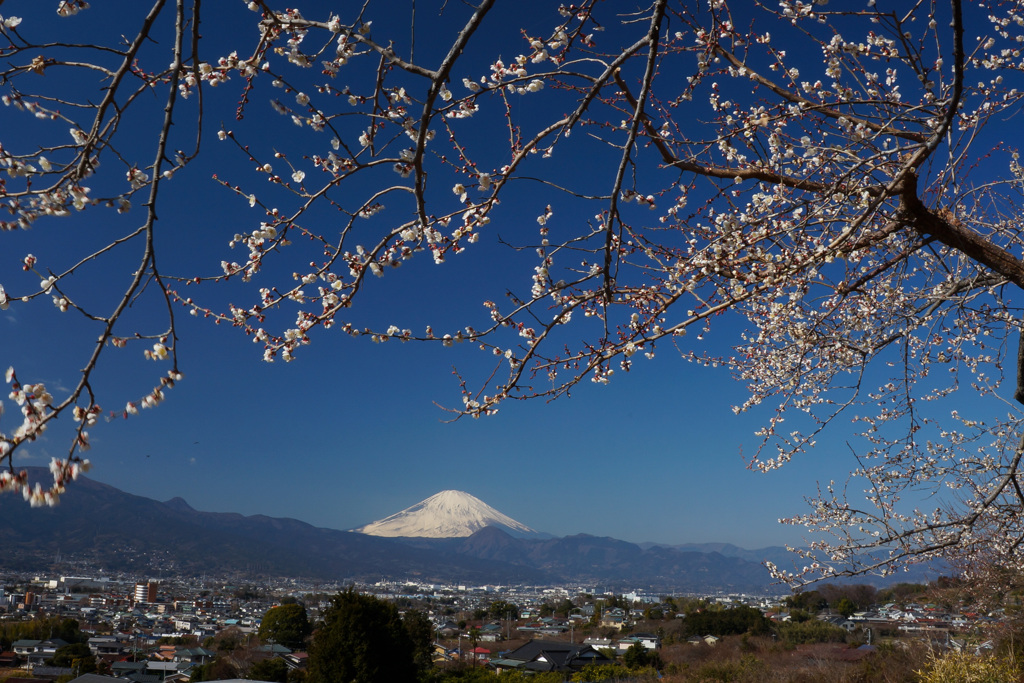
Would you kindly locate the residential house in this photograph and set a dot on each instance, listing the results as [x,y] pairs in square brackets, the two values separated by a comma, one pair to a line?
[599,643]
[105,645]
[23,648]
[838,620]
[195,655]
[549,655]
[165,653]
[296,660]
[614,618]
[45,649]
[448,629]
[442,653]
[648,640]
[167,671]
[124,669]
[185,624]
[490,633]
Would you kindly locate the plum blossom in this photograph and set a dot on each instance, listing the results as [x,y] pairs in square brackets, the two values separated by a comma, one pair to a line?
[67,8]
[830,228]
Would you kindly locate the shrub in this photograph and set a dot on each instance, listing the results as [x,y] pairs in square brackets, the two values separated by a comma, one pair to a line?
[813,631]
[963,667]
[746,668]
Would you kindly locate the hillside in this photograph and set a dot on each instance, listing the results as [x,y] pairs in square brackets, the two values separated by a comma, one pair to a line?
[114,530]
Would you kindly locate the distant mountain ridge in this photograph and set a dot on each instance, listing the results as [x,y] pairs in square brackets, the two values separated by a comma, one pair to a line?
[179,503]
[116,531]
[448,514]
[776,553]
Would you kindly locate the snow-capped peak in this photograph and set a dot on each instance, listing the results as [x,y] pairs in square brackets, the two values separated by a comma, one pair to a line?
[448,514]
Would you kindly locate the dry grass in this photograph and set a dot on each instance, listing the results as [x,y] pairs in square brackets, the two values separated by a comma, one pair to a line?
[762,660]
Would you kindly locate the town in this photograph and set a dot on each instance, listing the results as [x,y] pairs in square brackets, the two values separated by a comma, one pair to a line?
[121,627]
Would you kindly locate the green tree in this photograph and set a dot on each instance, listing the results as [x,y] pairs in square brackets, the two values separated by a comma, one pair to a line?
[41,629]
[228,640]
[798,616]
[217,670]
[500,609]
[272,669]
[845,606]
[286,625]
[563,608]
[861,595]
[636,656]
[735,620]
[75,656]
[421,633]
[811,601]
[187,641]
[362,640]
[901,593]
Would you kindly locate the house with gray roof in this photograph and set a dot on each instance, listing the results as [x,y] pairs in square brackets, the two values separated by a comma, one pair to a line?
[549,655]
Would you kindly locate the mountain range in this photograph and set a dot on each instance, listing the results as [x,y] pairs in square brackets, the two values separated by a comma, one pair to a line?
[99,526]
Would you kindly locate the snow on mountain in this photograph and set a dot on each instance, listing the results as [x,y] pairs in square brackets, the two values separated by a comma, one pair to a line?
[448,514]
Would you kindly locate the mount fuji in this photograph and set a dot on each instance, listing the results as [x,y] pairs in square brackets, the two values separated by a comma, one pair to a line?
[101,527]
[448,514]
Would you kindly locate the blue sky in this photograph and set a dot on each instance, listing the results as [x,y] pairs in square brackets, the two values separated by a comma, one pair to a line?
[351,431]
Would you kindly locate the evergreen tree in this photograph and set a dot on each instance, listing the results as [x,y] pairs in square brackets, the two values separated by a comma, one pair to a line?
[75,656]
[272,669]
[286,625]
[217,670]
[635,657]
[845,606]
[362,640]
[421,634]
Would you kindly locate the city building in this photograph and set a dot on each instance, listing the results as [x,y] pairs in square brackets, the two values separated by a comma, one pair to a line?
[145,592]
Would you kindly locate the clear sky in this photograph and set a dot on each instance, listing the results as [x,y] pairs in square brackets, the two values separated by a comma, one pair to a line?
[351,431]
